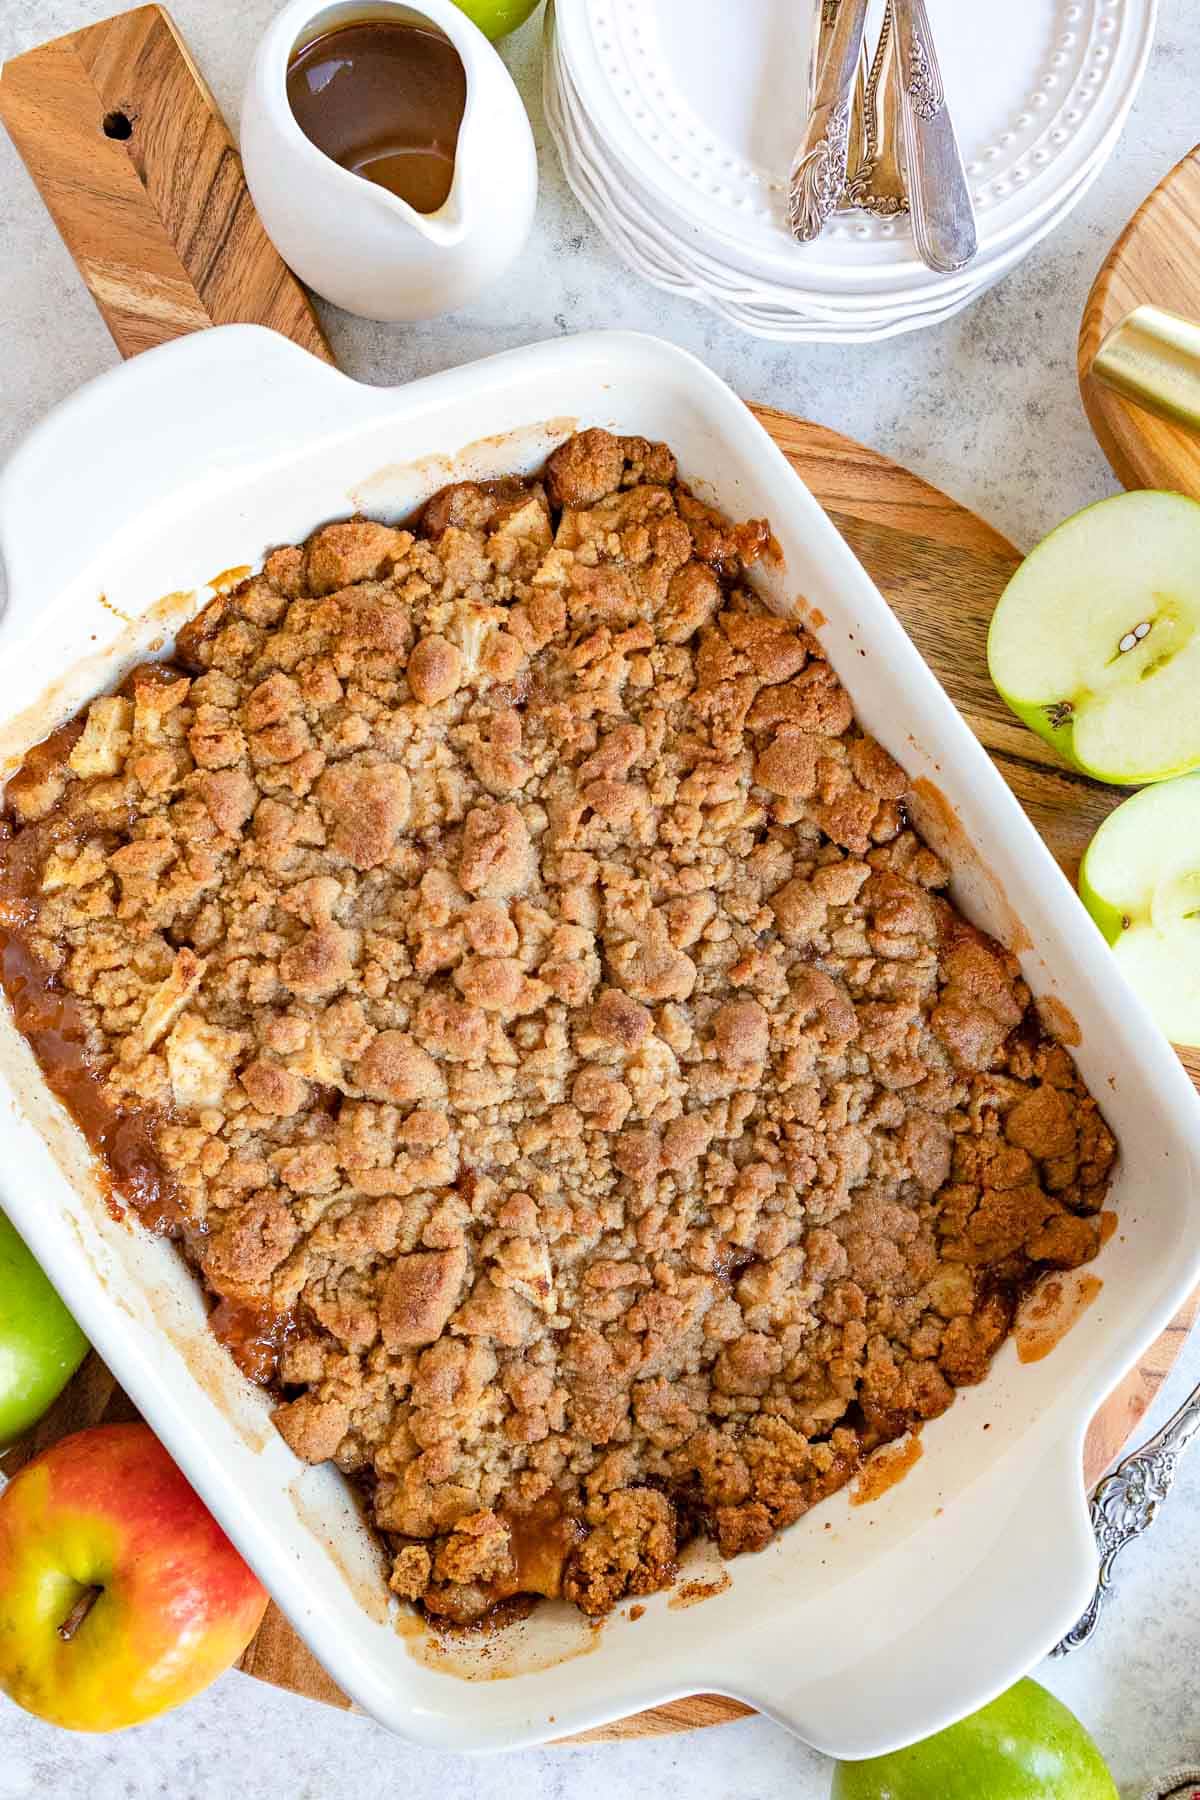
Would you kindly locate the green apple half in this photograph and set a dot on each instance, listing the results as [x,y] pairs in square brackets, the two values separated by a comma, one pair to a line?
[1096,640]
[1140,880]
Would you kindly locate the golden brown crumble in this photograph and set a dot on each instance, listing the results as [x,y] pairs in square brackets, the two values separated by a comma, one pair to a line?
[545,1031]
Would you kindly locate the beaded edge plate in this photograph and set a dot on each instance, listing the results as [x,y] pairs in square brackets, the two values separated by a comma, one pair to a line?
[701,103]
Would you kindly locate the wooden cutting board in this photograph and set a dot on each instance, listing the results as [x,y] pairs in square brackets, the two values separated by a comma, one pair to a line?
[940,566]
[1155,262]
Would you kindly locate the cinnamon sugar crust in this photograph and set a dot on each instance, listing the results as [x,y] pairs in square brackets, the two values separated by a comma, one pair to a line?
[555,1048]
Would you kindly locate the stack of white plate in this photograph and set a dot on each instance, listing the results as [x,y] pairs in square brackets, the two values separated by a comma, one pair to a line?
[677,120]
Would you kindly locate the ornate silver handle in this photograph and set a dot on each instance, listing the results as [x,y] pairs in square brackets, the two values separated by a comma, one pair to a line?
[938,192]
[876,182]
[818,175]
[1128,1501]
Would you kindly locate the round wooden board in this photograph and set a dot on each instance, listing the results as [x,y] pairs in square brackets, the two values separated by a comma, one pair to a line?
[1155,261]
[942,569]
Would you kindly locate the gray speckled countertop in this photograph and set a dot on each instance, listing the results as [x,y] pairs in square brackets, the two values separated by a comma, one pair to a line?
[985,406]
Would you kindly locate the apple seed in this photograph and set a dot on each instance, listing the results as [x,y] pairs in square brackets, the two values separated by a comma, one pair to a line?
[1133,638]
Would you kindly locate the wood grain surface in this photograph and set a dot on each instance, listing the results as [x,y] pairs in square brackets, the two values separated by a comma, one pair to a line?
[1156,262]
[118,129]
[180,248]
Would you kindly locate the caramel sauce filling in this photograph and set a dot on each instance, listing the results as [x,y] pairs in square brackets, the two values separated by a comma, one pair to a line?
[52,1020]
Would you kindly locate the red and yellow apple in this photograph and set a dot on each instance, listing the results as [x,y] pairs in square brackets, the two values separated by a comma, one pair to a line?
[120,1595]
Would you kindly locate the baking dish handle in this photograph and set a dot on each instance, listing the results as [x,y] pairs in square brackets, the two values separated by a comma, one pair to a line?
[1029,1586]
[153,430]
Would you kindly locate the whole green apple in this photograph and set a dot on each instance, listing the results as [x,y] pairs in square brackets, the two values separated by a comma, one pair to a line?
[1024,1746]
[496,18]
[40,1344]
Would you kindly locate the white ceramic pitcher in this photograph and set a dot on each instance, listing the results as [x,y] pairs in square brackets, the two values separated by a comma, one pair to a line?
[353,241]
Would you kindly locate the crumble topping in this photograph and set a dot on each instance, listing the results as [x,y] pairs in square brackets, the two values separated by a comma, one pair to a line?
[498,954]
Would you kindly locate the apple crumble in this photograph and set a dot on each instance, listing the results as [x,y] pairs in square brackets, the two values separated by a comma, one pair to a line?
[496,953]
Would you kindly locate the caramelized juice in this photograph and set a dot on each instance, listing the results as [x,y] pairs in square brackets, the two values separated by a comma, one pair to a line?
[385,100]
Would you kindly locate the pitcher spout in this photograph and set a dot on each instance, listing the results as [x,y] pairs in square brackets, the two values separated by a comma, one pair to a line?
[445,229]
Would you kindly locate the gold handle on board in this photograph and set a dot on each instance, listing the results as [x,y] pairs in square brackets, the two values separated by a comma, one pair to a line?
[1153,358]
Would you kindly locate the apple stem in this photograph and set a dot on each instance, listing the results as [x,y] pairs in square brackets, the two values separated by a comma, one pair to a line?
[79,1613]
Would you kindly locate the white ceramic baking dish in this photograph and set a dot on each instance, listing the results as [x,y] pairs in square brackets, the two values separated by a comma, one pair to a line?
[861,1628]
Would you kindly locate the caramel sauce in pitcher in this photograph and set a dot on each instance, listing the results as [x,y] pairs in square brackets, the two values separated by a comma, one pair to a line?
[385,100]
